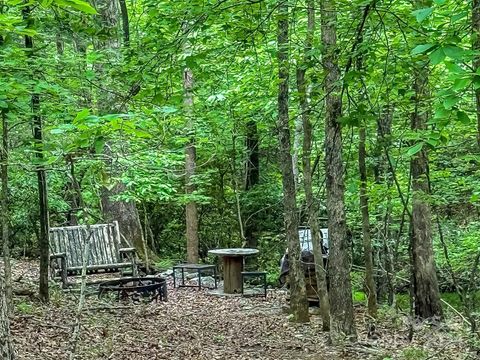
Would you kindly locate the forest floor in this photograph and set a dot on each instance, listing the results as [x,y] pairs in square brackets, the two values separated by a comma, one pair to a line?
[196,325]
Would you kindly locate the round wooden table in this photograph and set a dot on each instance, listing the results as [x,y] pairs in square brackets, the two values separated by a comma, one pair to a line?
[233,267]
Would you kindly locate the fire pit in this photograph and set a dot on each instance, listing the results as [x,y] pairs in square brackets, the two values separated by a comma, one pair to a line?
[136,288]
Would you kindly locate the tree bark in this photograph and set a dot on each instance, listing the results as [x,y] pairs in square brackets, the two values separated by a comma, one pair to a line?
[367,242]
[425,285]
[6,346]
[341,302]
[125,23]
[7,272]
[312,207]
[298,295]
[43,246]
[191,212]
[252,177]
[476,62]
[126,213]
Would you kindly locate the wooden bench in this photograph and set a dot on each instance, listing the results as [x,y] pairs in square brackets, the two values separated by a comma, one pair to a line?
[67,246]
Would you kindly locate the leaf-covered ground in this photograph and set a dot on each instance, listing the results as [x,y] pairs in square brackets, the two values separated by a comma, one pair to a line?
[196,325]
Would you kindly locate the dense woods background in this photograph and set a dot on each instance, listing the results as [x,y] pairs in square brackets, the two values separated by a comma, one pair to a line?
[179,118]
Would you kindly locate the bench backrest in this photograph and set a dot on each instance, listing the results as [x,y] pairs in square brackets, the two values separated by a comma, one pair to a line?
[104,243]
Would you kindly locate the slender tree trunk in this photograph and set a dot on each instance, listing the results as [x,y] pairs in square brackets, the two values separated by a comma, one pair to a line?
[41,177]
[425,285]
[367,242]
[298,295]
[125,23]
[252,177]
[312,207]
[476,62]
[6,346]
[341,303]
[191,212]
[426,294]
[7,272]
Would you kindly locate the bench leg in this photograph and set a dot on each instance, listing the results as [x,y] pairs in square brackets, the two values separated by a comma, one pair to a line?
[199,278]
[174,279]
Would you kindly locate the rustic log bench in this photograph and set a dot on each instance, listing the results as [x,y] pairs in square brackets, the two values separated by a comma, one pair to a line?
[199,268]
[67,246]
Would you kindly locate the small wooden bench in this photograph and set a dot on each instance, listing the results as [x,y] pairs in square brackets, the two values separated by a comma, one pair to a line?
[199,268]
[67,246]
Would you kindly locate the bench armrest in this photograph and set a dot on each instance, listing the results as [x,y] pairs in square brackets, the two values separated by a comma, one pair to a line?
[58,256]
[130,253]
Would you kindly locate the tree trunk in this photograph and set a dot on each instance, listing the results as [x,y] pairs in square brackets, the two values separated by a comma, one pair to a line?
[367,242]
[6,346]
[341,302]
[125,23]
[191,212]
[298,295]
[425,285]
[252,177]
[5,213]
[126,213]
[41,176]
[476,62]
[312,207]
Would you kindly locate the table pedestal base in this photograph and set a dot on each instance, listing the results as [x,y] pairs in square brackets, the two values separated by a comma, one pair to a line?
[232,274]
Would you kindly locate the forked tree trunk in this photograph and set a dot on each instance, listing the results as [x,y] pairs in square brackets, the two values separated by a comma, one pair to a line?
[425,285]
[6,346]
[41,175]
[367,242]
[298,294]
[341,302]
[5,213]
[312,207]
[191,212]
[476,62]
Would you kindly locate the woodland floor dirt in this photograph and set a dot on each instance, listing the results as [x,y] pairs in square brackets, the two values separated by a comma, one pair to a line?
[196,325]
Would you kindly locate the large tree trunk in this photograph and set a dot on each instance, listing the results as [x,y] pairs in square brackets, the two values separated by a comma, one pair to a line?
[126,213]
[6,346]
[367,242]
[312,207]
[191,212]
[425,285]
[476,62]
[252,170]
[341,302]
[43,246]
[298,295]
[5,213]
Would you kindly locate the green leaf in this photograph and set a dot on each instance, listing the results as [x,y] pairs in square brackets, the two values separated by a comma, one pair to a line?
[415,149]
[454,68]
[419,49]
[99,145]
[463,117]
[82,115]
[450,102]
[437,56]
[77,5]
[453,51]
[422,14]
[440,2]
[461,84]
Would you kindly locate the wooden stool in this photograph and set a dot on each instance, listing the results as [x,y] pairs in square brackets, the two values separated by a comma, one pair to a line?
[257,274]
